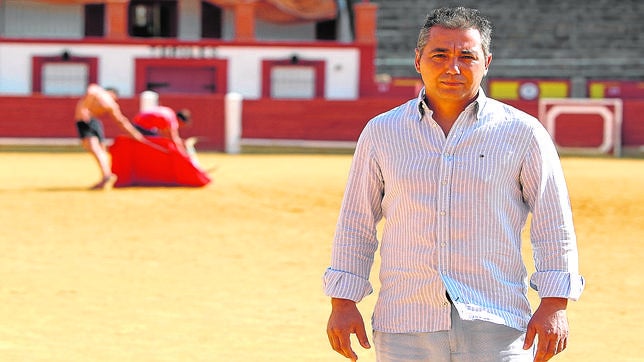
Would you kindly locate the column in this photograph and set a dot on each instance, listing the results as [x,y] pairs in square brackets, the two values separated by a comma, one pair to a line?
[365,36]
[245,21]
[365,22]
[116,19]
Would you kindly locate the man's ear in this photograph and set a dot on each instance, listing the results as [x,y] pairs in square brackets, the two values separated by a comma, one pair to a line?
[488,60]
[417,60]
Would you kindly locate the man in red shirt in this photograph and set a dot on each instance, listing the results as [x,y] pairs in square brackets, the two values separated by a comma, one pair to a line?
[165,122]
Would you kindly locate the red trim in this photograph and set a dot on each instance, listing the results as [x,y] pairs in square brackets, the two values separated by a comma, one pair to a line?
[171,42]
[316,119]
[38,63]
[317,65]
[624,89]
[221,66]
[367,73]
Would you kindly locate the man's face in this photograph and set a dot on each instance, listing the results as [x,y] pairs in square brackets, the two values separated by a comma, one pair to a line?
[452,65]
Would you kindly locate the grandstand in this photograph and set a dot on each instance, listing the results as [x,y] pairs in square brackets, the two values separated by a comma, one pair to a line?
[580,39]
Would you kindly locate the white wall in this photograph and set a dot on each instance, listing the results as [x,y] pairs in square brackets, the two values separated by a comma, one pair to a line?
[15,67]
[245,68]
[116,65]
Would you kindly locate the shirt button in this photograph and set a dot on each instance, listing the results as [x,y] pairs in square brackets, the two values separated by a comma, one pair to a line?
[444,182]
[442,213]
[443,244]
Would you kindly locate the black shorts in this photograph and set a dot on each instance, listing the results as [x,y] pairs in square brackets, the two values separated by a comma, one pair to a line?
[93,128]
[145,131]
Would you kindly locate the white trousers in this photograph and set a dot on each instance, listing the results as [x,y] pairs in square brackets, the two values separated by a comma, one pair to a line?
[466,341]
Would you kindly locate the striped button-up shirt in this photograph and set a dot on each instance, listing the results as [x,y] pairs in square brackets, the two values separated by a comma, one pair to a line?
[454,208]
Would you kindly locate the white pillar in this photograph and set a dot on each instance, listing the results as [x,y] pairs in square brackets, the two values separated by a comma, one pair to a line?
[233,115]
[148,100]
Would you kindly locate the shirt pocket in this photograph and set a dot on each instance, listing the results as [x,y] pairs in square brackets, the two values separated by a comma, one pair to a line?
[488,165]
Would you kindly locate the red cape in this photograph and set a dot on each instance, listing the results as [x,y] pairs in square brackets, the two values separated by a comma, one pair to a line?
[138,164]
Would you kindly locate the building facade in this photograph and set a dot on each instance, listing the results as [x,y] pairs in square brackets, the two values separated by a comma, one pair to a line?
[259,49]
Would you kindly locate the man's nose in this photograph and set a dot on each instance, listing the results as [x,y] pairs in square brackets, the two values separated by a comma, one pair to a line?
[453,66]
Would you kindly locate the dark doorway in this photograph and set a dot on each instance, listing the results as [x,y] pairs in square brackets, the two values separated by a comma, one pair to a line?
[153,18]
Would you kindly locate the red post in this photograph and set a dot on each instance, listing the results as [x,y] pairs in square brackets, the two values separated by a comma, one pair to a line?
[245,21]
[365,22]
[365,33]
[116,19]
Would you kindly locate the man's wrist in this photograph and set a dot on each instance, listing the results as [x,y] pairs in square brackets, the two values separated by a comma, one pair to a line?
[555,302]
[342,303]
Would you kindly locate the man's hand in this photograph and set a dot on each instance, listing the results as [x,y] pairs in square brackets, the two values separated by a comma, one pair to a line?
[550,325]
[345,319]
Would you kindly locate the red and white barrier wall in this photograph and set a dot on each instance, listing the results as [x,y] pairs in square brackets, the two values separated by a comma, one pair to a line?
[587,127]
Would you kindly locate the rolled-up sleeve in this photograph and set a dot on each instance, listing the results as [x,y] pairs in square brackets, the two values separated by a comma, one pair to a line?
[355,241]
[557,284]
[552,232]
[340,284]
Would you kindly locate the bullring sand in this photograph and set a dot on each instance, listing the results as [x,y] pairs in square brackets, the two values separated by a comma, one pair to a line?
[232,271]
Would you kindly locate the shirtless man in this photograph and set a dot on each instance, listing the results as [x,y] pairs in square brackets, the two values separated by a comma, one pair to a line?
[165,122]
[96,103]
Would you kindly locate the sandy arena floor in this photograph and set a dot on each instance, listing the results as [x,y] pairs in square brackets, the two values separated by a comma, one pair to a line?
[232,272]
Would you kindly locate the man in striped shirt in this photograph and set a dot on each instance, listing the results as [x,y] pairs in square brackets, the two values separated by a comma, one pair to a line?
[455,175]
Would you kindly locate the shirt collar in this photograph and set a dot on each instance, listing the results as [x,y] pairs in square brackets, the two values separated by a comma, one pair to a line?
[478,103]
[422,106]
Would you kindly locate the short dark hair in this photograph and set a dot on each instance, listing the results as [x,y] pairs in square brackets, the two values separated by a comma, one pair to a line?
[457,18]
[112,89]
[184,115]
